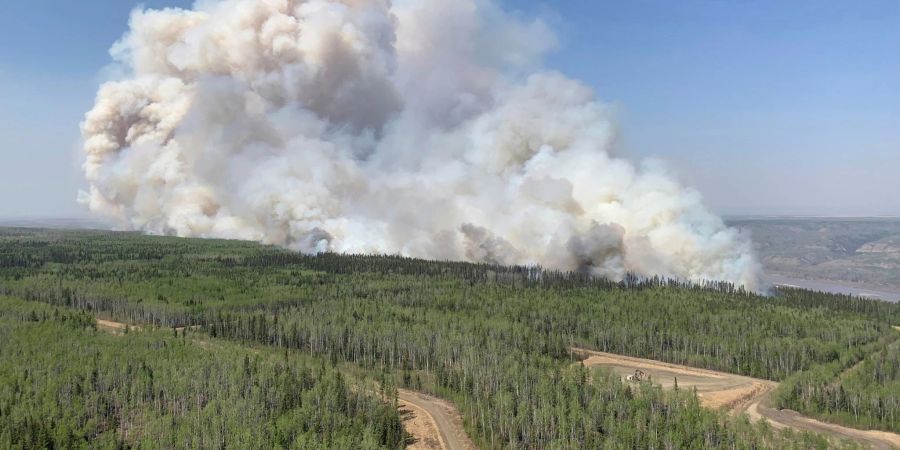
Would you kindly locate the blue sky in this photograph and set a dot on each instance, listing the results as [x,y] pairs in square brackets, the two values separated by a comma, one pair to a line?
[766,107]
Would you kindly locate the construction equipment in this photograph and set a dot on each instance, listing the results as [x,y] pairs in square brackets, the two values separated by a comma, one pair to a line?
[637,377]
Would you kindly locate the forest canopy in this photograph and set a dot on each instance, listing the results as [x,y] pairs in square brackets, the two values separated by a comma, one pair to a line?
[495,340]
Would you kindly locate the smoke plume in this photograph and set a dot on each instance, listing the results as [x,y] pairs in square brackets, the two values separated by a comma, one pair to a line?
[415,127]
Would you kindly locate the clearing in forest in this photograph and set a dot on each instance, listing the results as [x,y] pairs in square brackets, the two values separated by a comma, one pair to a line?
[115,327]
[735,393]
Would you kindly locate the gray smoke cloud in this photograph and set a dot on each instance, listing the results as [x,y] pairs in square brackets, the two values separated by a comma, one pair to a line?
[417,127]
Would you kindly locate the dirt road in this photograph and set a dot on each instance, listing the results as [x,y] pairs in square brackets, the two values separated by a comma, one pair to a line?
[434,424]
[734,393]
[442,430]
[115,327]
[423,430]
[786,418]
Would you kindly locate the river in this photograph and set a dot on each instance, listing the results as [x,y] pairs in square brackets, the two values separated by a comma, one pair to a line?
[831,287]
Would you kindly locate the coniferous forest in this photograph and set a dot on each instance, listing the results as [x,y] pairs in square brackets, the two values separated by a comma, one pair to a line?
[284,350]
[67,385]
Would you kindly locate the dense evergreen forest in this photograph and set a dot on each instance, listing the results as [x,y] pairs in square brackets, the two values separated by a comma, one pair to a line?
[495,340]
[63,384]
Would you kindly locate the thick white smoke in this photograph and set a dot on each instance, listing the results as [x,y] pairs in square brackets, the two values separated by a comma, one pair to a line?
[418,127]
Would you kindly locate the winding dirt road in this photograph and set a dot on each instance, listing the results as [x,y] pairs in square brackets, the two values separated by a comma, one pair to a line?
[436,423]
[734,393]
[423,430]
[433,423]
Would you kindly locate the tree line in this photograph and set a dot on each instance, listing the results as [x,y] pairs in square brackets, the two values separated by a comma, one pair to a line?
[495,340]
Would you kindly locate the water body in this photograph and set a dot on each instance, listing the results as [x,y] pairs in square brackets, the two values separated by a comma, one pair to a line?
[831,287]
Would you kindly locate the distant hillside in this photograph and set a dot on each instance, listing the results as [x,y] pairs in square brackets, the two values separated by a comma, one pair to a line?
[865,252]
[56,223]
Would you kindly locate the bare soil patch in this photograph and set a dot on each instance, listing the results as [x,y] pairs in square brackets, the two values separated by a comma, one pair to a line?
[422,428]
[714,389]
[443,430]
[115,327]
